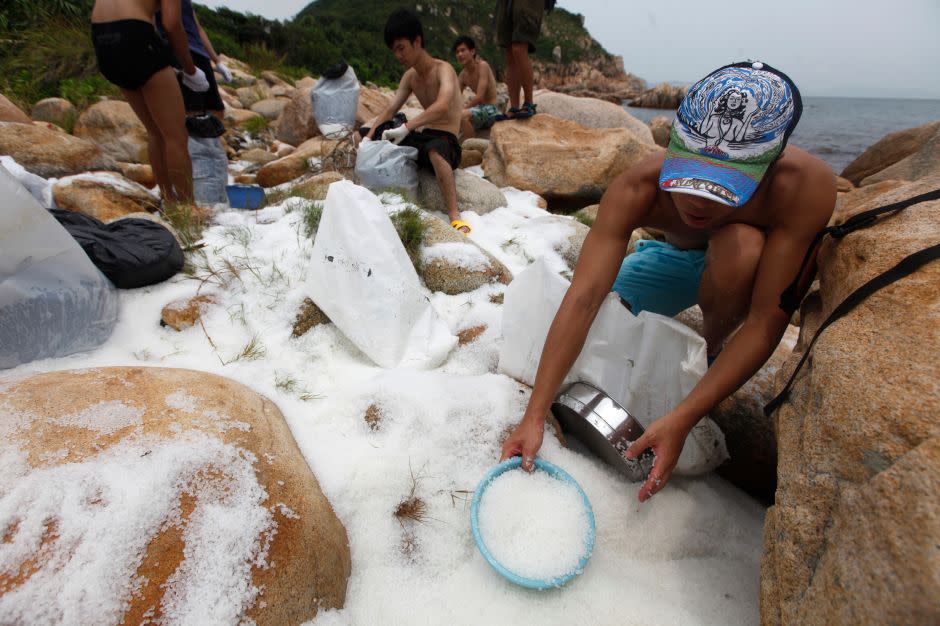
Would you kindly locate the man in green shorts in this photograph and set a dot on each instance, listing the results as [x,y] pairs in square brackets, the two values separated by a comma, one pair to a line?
[739,209]
[476,74]
[518,23]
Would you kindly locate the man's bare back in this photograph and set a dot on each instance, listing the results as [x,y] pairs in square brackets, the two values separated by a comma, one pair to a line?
[112,10]
[783,199]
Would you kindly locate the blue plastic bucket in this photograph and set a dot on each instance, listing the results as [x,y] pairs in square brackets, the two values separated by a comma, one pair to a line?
[551,470]
[245,196]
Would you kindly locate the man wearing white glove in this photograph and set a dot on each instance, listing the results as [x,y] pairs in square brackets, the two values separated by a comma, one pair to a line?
[196,81]
[434,132]
[200,95]
[395,135]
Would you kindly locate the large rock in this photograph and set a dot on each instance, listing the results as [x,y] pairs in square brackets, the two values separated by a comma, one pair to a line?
[888,150]
[662,96]
[270,108]
[51,153]
[139,173]
[296,124]
[152,495]
[240,117]
[853,535]
[452,263]
[371,103]
[113,125]
[591,113]
[255,93]
[58,111]
[559,159]
[661,126]
[106,196]
[473,193]
[749,434]
[316,187]
[297,163]
[924,162]
[9,112]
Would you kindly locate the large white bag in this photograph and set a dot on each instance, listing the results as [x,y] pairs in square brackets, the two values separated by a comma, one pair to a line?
[53,300]
[383,166]
[648,363]
[362,278]
[335,101]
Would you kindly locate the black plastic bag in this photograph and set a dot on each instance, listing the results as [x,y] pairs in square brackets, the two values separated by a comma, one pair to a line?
[131,252]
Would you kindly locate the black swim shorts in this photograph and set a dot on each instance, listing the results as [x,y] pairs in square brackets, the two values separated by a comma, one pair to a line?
[129,52]
[519,21]
[441,141]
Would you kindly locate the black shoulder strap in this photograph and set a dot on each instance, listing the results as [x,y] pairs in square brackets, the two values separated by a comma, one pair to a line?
[907,266]
[790,298]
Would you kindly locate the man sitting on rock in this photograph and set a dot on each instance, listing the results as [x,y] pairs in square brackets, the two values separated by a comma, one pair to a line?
[481,111]
[434,83]
[739,209]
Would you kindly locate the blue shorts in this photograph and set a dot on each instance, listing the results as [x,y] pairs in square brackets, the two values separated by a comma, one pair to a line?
[660,278]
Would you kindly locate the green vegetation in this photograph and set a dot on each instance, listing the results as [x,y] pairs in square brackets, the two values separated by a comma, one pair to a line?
[256,125]
[44,43]
[411,227]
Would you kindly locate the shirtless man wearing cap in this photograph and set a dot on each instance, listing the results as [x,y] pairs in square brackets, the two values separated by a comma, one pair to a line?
[739,215]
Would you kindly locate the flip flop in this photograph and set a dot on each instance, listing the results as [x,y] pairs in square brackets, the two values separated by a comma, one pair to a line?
[527,111]
[509,115]
[458,224]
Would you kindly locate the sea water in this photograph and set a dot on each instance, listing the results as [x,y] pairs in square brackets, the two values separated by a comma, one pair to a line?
[837,130]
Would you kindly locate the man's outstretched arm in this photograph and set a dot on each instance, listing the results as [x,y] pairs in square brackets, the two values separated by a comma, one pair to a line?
[621,210]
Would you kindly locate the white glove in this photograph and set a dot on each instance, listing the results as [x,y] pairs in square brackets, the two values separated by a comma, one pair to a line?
[196,81]
[395,135]
[224,71]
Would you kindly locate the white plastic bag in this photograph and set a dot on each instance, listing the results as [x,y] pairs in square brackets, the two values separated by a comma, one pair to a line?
[335,101]
[53,300]
[648,363]
[362,278]
[383,166]
[210,170]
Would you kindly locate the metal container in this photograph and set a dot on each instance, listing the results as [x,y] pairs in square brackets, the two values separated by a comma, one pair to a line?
[606,428]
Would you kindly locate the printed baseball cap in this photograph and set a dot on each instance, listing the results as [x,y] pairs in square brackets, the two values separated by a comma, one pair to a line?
[730,127]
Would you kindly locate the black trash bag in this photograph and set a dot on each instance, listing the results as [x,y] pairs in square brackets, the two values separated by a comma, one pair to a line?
[131,252]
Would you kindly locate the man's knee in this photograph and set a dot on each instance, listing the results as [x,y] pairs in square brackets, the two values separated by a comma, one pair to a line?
[735,247]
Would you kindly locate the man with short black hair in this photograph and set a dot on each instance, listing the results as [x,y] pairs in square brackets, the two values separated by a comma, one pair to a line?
[739,208]
[476,74]
[434,83]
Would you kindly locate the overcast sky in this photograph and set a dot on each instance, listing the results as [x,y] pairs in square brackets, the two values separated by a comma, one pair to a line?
[872,48]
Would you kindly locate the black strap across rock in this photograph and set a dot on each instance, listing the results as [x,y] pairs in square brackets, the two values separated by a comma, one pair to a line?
[789,300]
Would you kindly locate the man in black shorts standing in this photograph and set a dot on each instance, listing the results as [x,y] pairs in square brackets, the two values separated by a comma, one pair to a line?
[518,23]
[434,132]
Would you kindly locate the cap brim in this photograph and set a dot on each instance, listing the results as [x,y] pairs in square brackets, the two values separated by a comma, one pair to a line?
[716,178]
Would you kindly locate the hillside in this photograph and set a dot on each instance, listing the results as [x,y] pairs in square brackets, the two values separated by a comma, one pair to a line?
[46,50]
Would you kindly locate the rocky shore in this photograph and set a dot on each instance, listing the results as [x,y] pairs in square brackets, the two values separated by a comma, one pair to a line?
[850,464]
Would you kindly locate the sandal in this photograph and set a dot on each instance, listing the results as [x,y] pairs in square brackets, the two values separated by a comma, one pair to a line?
[509,115]
[458,224]
[527,111]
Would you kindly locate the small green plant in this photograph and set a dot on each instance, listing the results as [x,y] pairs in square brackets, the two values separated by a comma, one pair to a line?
[312,211]
[256,125]
[187,221]
[411,228]
[587,220]
[84,91]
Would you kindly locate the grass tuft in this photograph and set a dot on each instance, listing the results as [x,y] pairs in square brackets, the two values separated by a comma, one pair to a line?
[411,228]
